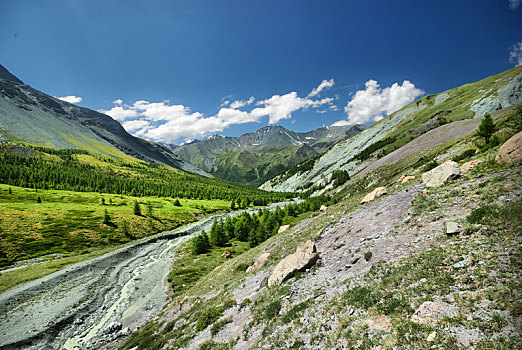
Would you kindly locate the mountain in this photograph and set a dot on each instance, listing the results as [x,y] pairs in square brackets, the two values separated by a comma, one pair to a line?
[402,127]
[31,116]
[254,157]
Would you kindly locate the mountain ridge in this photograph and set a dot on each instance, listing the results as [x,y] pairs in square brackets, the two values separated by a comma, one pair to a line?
[29,115]
[250,157]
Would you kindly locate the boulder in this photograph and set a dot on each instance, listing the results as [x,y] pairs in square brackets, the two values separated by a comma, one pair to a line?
[319,233]
[226,254]
[436,177]
[469,165]
[259,263]
[511,150]
[407,178]
[452,228]
[433,311]
[283,228]
[304,257]
[124,332]
[113,327]
[379,191]
[323,208]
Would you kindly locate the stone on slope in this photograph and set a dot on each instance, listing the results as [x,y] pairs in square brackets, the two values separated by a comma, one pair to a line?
[511,150]
[433,311]
[469,165]
[304,257]
[283,229]
[259,263]
[407,178]
[379,191]
[452,228]
[436,177]
[323,208]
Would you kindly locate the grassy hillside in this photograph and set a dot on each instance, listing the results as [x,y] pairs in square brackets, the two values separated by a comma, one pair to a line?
[379,263]
[54,201]
[400,128]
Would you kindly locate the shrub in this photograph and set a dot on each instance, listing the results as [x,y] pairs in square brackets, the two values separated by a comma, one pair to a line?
[362,296]
[430,165]
[246,302]
[464,155]
[208,317]
[242,267]
[368,256]
[272,309]
[478,216]
[216,327]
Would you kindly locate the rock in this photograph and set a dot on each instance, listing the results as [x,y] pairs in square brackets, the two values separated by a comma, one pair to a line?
[323,208]
[283,229]
[431,337]
[407,178]
[124,332]
[401,178]
[226,254]
[460,264]
[355,260]
[112,327]
[436,177]
[509,186]
[304,257]
[379,191]
[425,193]
[452,228]
[511,150]
[433,311]
[319,233]
[469,165]
[259,263]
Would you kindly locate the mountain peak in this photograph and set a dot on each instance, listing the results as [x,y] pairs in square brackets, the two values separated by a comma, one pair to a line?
[5,74]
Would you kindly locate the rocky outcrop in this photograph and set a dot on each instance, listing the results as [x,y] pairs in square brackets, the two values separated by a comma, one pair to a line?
[511,150]
[440,175]
[323,208]
[283,229]
[304,257]
[433,311]
[379,191]
[259,263]
[226,255]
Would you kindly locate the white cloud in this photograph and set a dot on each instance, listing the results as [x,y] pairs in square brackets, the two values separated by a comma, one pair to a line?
[239,104]
[373,103]
[324,84]
[71,99]
[341,123]
[163,122]
[515,55]
[513,4]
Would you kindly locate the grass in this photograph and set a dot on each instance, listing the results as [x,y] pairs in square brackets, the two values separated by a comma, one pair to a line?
[67,222]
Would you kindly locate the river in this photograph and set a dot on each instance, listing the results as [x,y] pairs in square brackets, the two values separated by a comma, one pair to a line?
[75,308]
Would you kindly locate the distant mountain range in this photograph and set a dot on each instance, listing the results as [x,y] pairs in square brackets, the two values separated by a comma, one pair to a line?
[30,116]
[255,157]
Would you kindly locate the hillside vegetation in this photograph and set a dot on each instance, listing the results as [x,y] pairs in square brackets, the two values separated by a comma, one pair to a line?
[402,127]
[61,201]
[391,274]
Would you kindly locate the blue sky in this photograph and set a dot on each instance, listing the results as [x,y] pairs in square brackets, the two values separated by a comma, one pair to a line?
[165,69]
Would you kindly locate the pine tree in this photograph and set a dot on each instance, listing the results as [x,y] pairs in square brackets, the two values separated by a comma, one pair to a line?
[217,234]
[137,208]
[149,209]
[200,243]
[486,128]
[106,218]
[38,199]
[176,203]
[10,191]
[102,201]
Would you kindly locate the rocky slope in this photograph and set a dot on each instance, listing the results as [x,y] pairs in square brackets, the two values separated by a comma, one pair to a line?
[465,102]
[30,116]
[254,157]
[416,268]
